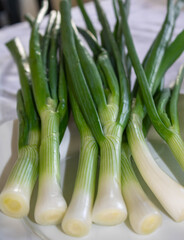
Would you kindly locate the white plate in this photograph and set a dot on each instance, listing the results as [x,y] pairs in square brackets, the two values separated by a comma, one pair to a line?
[26,229]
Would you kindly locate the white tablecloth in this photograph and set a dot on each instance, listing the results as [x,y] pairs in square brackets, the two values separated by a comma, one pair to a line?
[145,20]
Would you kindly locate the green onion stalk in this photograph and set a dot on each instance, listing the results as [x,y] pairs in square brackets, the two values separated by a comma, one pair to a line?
[50,94]
[46,40]
[78,217]
[105,114]
[167,111]
[120,74]
[118,35]
[86,18]
[16,194]
[30,19]
[143,215]
[172,198]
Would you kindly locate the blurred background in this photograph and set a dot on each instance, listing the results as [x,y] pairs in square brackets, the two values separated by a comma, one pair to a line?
[12,11]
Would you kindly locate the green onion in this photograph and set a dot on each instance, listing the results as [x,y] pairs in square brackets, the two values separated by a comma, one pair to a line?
[144,217]
[168,192]
[78,217]
[52,108]
[47,37]
[16,194]
[118,34]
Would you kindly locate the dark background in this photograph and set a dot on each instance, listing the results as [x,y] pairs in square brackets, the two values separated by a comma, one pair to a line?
[11,10]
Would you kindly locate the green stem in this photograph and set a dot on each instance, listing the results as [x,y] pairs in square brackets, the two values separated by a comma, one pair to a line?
[142,79]
[77,80]
[87,165]
[18,52]
[109,75]
[30,19]
[174,100]
[176,145]
[49,148]
[46,39]
[87,20]
[25,170]
[91,40]
[110,150]
[161,107]
[154,61]
[127,172]
[86,173]
[91,72]
[53,64]
[124,106]
[40,85]
[23,121]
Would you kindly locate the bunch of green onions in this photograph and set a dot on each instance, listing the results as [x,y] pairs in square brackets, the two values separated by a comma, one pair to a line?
[44,94]
[148,218]
[112,126]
